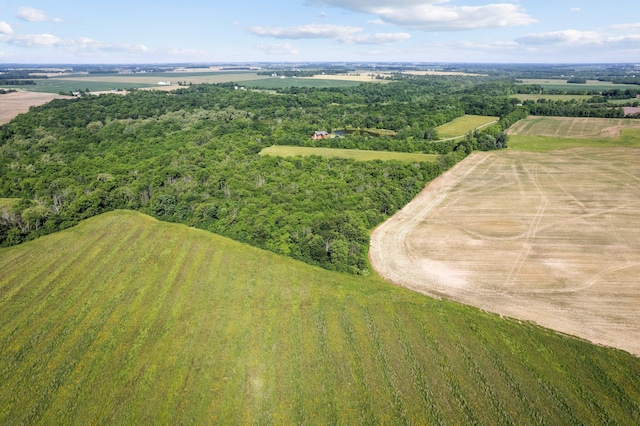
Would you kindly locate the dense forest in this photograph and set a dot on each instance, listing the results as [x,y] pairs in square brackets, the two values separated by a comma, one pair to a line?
[191,156]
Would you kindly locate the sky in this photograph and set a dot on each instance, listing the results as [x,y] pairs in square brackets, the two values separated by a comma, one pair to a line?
[214,31]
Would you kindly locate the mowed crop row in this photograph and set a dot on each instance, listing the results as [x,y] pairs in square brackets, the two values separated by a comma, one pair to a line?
[572,127]
[355,154]
[460,126]
[124,319]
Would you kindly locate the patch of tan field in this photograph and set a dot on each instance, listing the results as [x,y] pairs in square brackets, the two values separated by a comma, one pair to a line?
[19,102]
[572,127]
[631,110]
[552,238]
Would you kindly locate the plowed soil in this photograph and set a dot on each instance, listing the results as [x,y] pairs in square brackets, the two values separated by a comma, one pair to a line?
[16,103]
[552,238]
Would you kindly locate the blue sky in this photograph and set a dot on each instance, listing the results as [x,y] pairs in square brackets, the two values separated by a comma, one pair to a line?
[116,31]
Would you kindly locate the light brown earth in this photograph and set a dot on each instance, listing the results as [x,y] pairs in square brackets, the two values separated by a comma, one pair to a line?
[19,102]
[552,238]
[631,110]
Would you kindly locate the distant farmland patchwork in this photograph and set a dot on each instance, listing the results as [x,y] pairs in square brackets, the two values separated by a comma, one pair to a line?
[251,79]
[127,320]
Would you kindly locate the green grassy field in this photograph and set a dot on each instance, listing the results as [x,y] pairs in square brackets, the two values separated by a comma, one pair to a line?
[532,97]
[103,82]
[127,320]
[628,138]
[355,154]
[57,85]
[591,85]
[279,83]
[549,133]
[463,125]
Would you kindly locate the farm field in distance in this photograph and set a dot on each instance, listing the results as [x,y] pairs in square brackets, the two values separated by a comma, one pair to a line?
[355,154]
[125,319]
[535,97]
[572,127]
[460,126]
[98,83]
[562,228]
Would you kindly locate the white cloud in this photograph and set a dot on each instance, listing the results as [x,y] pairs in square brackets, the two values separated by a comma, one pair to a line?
[575,9]
[79,45]
[278,49]
[625,27]
[35,15]
[306,31]
[432,15]
[5,28]
[87,44]
[35,40]
[342,34]
[566,37]
[574,42]
[376,22]
[378,38]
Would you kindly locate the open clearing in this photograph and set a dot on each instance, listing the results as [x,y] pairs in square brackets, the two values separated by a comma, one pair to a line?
[126,320]
[552,238]
[355,154]
[19,102]
[459,127]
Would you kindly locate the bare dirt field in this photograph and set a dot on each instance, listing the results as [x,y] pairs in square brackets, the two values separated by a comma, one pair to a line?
[552,238]
[16,103]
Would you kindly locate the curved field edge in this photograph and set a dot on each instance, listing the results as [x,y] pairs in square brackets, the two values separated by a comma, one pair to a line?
[543,237]
[459,127]
[124,319]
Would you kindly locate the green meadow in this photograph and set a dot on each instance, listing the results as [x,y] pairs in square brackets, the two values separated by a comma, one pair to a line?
[355,154]
[460,126]
[589,86]
[59,85]
[535,97]
[127,320]
[628,138]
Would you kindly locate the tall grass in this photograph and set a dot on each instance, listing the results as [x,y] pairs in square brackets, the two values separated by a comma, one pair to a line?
[460,126]
[355,154]
[124,319]
[628,138]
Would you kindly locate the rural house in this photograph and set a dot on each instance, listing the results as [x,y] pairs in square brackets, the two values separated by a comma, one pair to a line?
[320,135]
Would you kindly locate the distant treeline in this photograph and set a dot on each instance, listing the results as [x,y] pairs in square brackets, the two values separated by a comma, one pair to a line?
[19,77]
[13,82]
[303,73]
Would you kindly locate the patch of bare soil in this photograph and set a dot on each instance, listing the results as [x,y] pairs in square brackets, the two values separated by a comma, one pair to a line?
[552,238]
[16,103]
[631,110]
